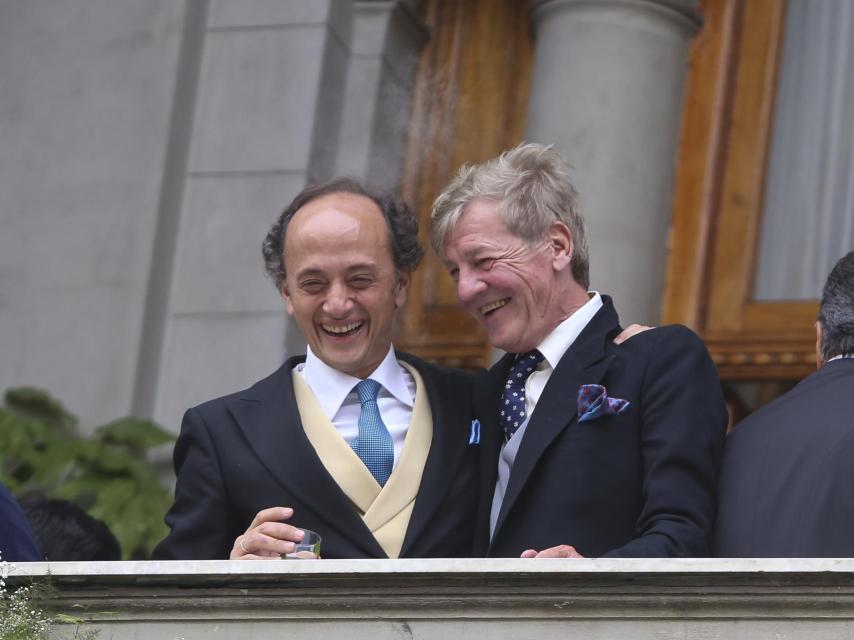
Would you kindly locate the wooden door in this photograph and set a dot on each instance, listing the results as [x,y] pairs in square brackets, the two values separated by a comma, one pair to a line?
[469,105]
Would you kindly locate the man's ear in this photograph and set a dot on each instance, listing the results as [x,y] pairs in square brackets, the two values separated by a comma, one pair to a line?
[401,287]
[560,244]
[286,296]
[819,360]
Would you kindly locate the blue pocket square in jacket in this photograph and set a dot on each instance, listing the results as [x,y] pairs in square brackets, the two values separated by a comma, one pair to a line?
[474,435]
[593,402]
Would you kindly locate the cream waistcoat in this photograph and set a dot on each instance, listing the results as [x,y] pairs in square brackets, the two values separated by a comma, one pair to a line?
[385,510]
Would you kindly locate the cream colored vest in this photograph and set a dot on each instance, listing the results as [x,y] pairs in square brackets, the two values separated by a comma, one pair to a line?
[385,510]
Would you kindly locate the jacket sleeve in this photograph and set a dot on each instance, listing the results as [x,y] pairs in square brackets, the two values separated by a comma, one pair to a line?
[17,540]
[202,524]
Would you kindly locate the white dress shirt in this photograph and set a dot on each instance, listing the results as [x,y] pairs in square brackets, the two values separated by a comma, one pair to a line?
[555,346]
[553,349]
[335,393]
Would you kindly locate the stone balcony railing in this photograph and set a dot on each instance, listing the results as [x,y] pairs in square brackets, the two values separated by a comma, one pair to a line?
[449,599]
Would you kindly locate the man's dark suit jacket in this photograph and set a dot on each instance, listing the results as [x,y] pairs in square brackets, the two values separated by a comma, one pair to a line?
[248,451]
[642,483]
[787,481]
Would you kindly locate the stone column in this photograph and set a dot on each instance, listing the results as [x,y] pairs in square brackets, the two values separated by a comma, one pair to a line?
[387,37]
[264,120]
[607,91]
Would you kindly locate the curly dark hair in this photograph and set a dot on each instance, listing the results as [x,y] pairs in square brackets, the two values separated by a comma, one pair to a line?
[66,532]
[836,311]
[402,224]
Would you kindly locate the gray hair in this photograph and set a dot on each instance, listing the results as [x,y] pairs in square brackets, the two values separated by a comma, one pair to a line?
[836,311]
[532,187]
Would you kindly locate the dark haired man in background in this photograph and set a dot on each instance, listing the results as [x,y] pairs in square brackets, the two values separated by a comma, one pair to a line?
[364,445]
[65,531]
[787,481]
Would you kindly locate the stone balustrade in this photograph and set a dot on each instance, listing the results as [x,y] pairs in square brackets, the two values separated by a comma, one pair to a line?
[446,599]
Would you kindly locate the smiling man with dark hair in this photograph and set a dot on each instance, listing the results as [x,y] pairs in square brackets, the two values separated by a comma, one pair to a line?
[364,445]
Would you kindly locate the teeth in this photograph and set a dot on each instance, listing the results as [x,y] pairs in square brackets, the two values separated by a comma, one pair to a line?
[492,306]
[345,329]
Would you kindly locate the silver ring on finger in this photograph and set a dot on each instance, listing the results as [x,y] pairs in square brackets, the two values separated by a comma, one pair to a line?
[243,548]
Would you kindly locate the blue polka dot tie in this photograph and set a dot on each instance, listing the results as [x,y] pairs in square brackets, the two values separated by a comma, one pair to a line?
[373,444]
[512,411]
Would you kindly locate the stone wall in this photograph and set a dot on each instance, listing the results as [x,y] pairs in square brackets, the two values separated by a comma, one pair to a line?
[145,148]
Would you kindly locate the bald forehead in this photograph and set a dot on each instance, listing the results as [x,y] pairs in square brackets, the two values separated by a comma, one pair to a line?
[338,222]
[353,204]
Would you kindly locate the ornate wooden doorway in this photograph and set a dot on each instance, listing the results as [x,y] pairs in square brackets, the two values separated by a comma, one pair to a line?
[469,105]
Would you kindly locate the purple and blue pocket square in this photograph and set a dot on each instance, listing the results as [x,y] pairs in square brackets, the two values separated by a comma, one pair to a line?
[593,403]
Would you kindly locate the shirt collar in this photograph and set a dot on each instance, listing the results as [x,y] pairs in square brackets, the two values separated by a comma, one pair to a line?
[331,387]
[563,335]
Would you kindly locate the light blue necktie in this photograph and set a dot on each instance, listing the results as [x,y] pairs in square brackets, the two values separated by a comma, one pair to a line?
[373,444]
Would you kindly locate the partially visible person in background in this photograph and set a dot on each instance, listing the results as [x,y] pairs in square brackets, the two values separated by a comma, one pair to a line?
[17,541]
[65,532]
[787,480]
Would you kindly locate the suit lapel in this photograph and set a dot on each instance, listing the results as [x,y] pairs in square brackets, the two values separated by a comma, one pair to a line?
[269,418]
[444,458]
[585,362]
[487,400]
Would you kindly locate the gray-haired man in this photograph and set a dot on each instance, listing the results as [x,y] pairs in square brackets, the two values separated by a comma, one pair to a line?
[588,448]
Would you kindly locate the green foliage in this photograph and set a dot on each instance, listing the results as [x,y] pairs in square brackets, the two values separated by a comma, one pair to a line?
[106,473]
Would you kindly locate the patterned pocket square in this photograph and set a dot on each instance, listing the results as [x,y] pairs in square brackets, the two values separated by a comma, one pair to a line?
[593,402]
